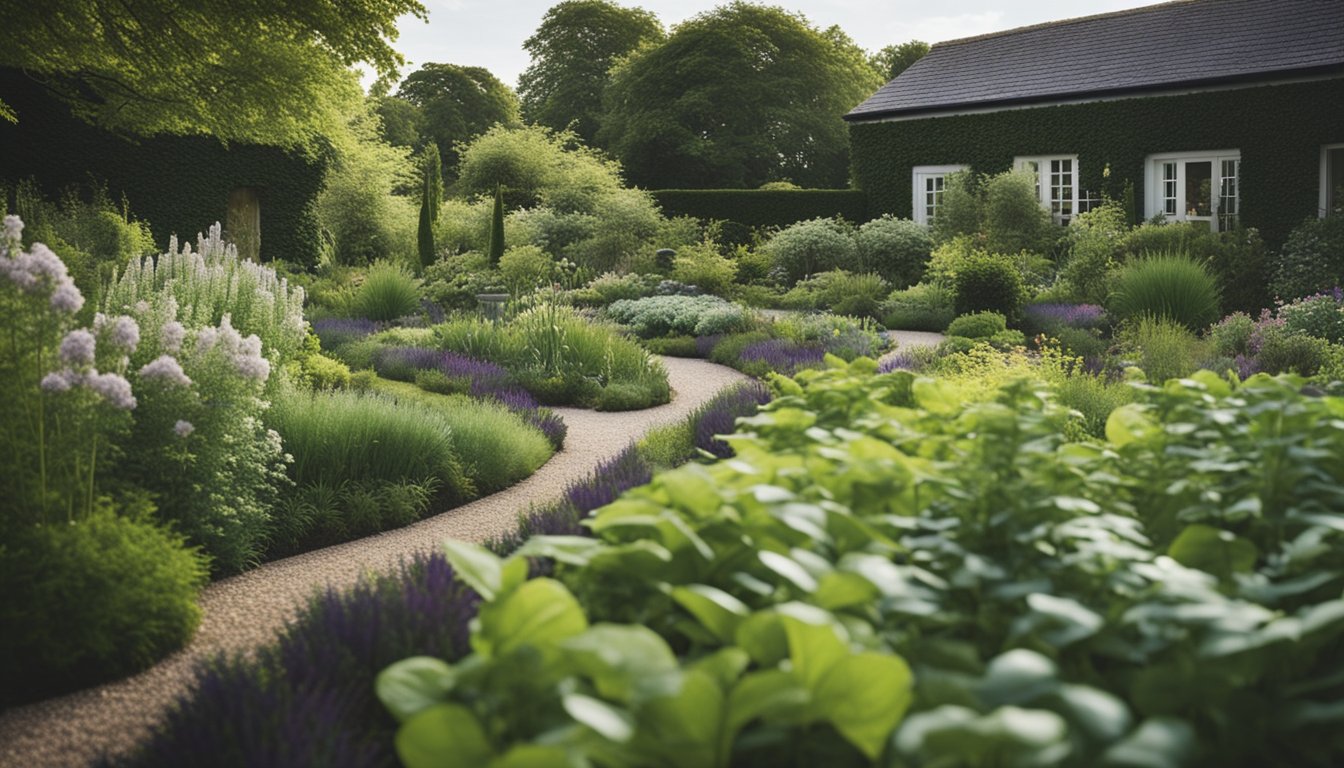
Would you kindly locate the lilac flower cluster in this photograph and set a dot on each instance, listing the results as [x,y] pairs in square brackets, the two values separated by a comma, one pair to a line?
[243,353]
[1049,316]
[37,271]
[782,355]
[121,332]
[76,353]
[167,369]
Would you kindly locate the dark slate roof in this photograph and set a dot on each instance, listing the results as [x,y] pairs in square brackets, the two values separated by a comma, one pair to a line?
[1158,47]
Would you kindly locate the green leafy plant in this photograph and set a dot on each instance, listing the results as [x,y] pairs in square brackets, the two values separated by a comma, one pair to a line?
[702,266]
[495,249]
[1310,259]
[1163,348]
[525,268]
[921,307]
[809,247]
[896,249]
[431,196]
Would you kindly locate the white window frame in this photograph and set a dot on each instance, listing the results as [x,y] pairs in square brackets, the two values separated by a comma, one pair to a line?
[920,175]
[1324,207]
[1062,208]
[1156,193]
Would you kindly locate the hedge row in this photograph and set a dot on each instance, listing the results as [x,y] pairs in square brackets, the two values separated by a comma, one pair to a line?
[764,207]
[178,184]
[1278,129]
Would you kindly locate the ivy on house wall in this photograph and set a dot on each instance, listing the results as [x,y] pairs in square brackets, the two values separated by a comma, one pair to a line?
[177,184]
[764,207]
[1278,129]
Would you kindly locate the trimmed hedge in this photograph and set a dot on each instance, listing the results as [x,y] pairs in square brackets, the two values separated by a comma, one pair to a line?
[764,207]
[178,184]
[1278,129]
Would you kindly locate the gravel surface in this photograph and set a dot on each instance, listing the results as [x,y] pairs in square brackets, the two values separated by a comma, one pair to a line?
[245,611]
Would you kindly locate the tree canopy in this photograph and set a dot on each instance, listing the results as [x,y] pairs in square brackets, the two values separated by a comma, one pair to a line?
[458,103]
[572,51]
[737,97]
[249,71]
[895,59]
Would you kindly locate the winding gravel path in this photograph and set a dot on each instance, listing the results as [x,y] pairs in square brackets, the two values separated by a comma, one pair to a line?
[245,611]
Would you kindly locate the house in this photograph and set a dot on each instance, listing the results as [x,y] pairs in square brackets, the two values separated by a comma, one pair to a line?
[1224,111]
[264,195]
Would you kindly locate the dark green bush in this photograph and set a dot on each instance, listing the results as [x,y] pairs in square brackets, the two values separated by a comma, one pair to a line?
[809,247]
[988,282]
[1171,285]
[1312,259]
[1321,316]
[1283,351]
[763,207]
[673,346]
[93,600]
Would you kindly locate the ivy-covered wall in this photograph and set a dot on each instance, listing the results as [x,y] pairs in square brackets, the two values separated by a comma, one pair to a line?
[1279,130]
[177,184]
[764,207]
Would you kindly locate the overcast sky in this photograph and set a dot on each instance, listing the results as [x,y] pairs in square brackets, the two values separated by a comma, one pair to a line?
[490,33]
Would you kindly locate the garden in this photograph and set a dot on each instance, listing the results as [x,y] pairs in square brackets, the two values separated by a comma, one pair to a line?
[1093,523]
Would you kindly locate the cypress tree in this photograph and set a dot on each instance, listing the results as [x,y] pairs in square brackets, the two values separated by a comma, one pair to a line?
[431,193]
[497,228]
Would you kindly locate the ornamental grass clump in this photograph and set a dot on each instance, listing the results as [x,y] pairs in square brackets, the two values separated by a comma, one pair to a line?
[1170,285]
[388,292]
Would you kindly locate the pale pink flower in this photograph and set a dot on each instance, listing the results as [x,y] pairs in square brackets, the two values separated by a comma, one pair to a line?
[183,428]
[114,389]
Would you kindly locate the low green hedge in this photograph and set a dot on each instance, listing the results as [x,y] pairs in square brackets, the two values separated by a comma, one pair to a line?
[764,207]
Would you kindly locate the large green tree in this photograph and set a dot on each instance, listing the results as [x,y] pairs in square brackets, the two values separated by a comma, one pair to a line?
[736,97]
[895,59]
[572,51]
[273,72]
[458,103]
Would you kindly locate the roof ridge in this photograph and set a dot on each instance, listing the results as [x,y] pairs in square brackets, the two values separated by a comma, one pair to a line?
[1064,22]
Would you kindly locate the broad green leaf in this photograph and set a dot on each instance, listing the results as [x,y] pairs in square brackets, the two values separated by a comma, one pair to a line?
[1103,715]
[1214,551]
[767,694]
[864,697]
[789,569]
[762,636]
[571,550]
[936,396]
[1008,735]
[816,644]
[541,613]
[1018,676]
[841,590]
[1060,621]
[621,659]
[1160,742]
[1129,423]
[725,666]
[683,727]
[532,756]
[716,610]
[443,736]
[1215,385]
[608,721]
[482,569]
[410,686]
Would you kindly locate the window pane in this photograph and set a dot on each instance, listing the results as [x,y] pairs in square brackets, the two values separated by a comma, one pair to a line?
[1229,204]
[1169,189]
[1199,188]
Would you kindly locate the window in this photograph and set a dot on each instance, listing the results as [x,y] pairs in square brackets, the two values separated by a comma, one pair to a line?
[1332,180]
[928,182]
[1196,186]
[1056,183]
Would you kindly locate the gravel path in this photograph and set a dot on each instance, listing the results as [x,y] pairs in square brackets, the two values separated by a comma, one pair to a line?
[245,611]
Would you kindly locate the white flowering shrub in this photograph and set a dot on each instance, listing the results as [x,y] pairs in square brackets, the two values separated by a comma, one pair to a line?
[212,282]
[198,443]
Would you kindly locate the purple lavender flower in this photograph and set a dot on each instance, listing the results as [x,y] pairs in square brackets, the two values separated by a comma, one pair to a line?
[782,356]
[1246,366]
[165,368]
[719,416]
[1051,316]
[77,348]
[899,361]
[612,477]
[706,344]
[335,331]
[550,424]
[112,388]
[183,428]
